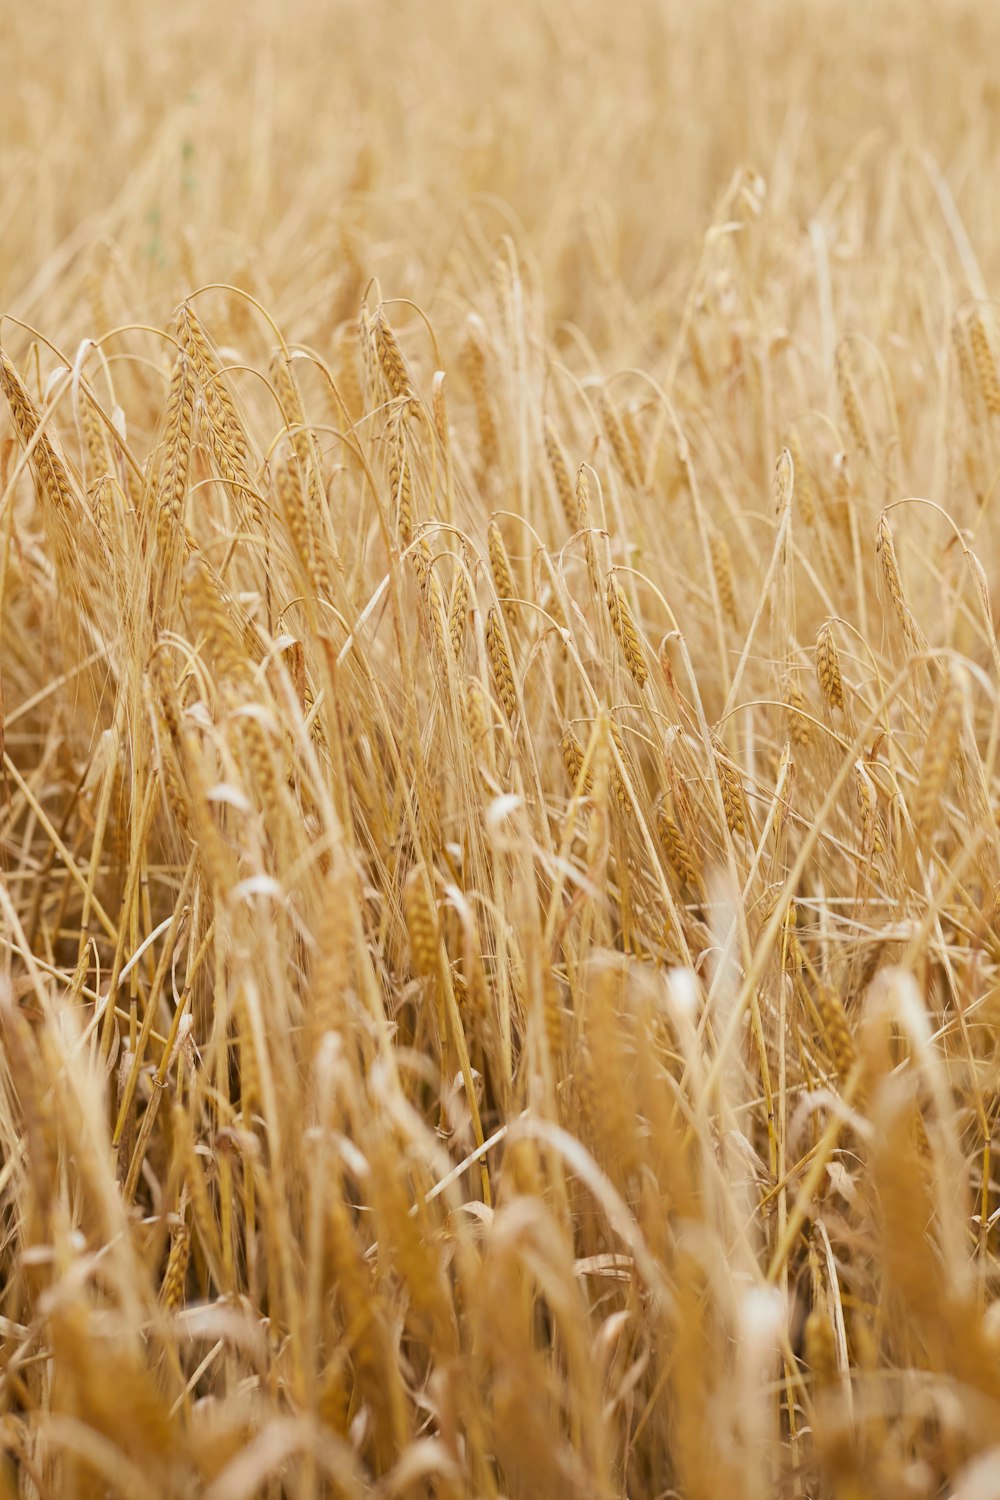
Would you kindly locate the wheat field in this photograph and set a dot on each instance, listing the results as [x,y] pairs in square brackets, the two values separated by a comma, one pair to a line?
[500,725]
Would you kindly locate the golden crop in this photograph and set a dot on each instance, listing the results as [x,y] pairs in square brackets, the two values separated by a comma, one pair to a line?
[499,853]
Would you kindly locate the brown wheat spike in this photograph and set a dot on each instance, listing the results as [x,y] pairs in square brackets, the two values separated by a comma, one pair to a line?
[479,730]
[500,662]
[212,620]
[49,466]
[819,1346]
[475,366]
[572,754]
[986,369]
[503,576]
[623,624]
[250,1080]
[940,748]
[292,505]
[177,442]
[561,476]
[697,354]
[631,428]
[584,524]
[162,700]
[830,1009]
[374,386]
[733,795]
[39,1126]
[607,1041]
[973,456]
[618,439]
[439,407]
[967,380]
[421,923]
[723,568]
[431,591]
[458,613]
[390,358]
[783,482]
[291,403]
[872,841]
[804,487]
[232,667]
[886,552]
[831,681]
[348,379]
[98,452]
[676,848]
[401,483]
[552,603]
[800,730]
[553,1015]
[849,400]
[226,436]
[615,779]
[101,498]
[175,1273]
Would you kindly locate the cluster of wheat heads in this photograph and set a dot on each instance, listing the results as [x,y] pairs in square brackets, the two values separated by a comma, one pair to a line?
[498,938]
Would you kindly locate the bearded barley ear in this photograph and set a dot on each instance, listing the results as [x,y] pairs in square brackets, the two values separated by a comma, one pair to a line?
[475,367]
[677,850]
[573,758]
[986,369]
[940,749]
[226,434]
[49,466]
[480,735]
[421,923]
[503,576]
[178,439]
[800,730]
[733,794]
[830,1009]
[804,487]
[828,671]
[819,1348]
[886,553]
[439,409]
[390,358]
[783,482]
[872,841]
[623,624]
[618,439]
[723,569]
[583,522]
[457,613]
[500,662]
[851,404]
[561,475]
[401,483]
[175,1274]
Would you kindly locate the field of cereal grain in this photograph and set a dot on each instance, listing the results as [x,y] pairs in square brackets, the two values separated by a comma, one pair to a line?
[500,726]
